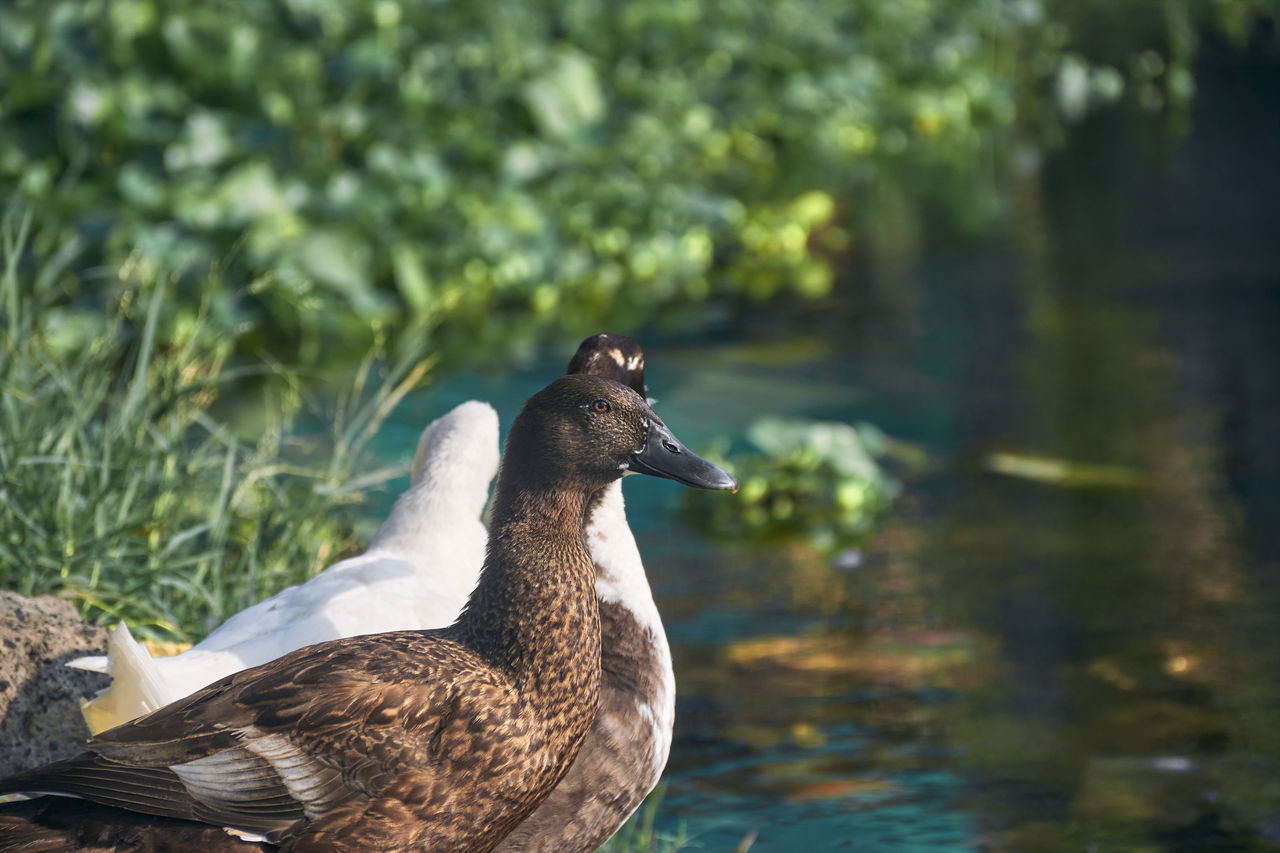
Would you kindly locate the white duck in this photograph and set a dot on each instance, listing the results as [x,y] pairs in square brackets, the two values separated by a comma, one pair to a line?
[395,585]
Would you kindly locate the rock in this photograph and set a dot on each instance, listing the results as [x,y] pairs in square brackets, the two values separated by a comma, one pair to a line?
[39,696]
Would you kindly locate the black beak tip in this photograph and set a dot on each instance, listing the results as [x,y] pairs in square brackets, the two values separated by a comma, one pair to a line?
[727,482]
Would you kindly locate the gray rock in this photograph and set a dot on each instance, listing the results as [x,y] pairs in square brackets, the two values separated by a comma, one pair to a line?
[39,696]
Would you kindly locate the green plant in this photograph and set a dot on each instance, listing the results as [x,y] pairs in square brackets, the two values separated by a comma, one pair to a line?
[489,172]
[818,480]
[118,486]
[638,835]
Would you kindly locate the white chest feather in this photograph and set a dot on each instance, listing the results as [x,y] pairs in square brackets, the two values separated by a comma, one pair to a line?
[621,579]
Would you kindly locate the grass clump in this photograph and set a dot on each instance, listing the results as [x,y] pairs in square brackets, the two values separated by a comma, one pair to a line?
[638,834]
[121,490]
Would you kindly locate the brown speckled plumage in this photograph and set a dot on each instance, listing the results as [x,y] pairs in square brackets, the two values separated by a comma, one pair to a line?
[616,767]
[62,824]
[609,778]
[436,740]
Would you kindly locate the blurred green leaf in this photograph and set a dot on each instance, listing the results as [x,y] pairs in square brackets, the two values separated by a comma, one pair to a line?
[544,156]
[566,97]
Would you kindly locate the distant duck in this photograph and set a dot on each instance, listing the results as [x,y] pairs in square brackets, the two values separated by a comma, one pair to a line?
[419,569]
[626,749]
[426,740]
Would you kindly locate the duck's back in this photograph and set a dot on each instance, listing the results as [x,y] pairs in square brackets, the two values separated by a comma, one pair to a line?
[421,565]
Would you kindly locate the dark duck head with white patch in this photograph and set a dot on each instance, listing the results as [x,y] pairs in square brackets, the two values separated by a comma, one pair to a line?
[615,357]
[439,740]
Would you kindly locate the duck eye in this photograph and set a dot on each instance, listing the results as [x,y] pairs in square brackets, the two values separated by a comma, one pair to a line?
[601,406]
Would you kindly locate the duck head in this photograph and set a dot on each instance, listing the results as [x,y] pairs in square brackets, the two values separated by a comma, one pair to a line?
[615,357]
[591,430]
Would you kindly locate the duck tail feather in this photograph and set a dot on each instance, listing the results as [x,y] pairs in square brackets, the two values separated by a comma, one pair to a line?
[137,686]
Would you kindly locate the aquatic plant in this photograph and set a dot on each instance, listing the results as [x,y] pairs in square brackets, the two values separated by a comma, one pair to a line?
[819,481]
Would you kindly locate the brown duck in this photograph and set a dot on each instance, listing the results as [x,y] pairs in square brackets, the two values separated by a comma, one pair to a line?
[626,749]
[416,740]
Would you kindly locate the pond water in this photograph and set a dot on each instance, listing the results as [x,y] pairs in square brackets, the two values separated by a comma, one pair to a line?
[1018,662]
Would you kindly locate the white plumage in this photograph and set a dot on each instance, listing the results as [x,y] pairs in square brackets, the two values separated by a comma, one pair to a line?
[419,569]
[621,579]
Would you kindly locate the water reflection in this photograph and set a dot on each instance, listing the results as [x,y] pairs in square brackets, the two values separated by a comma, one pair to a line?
[1020,663]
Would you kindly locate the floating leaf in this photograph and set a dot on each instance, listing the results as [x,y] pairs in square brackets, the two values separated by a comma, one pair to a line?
[1063,472]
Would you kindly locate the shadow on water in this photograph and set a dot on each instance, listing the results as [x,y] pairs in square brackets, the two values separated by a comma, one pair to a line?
[1016,665]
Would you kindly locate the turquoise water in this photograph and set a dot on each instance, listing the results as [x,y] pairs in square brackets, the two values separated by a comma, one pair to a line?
[1081,656]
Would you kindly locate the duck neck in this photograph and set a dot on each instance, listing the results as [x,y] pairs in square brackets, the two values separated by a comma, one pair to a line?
[412,511]
[534,613]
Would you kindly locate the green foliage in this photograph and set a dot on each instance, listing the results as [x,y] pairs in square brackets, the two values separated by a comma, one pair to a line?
[118,488]
[816,480]
[319,175]
[487,170]
[1144,47]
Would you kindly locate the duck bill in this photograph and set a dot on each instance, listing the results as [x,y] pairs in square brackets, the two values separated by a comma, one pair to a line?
[664,456]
